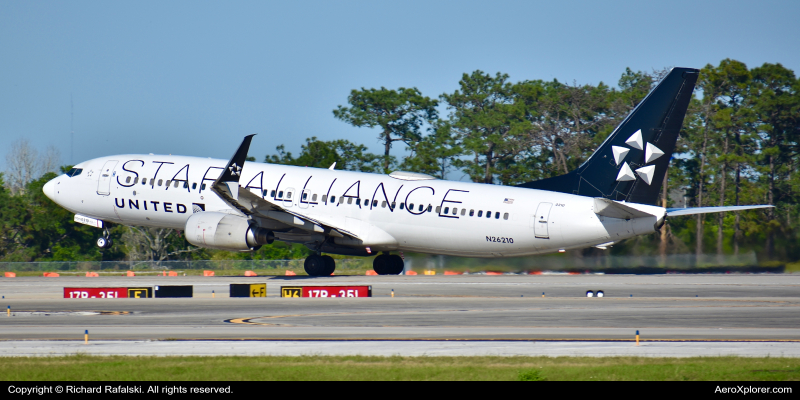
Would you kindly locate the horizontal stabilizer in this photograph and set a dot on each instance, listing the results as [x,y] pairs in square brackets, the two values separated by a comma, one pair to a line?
[674,212]
[613,209]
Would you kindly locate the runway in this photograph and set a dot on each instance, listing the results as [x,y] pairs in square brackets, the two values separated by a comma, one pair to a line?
[744,309]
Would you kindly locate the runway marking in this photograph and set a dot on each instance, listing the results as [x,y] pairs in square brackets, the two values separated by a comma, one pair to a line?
[486,340]
[68,312]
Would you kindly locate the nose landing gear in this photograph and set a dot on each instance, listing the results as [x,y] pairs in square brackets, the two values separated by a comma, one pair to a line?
[388,264]
[105,241]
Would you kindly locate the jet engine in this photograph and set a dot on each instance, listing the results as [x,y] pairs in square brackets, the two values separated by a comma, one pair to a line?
[216,230]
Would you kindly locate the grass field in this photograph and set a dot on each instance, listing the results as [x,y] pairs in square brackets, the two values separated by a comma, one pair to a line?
[82,367]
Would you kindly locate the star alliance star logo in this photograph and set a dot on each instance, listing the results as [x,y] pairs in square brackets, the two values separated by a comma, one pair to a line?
[651,153]
[235,169]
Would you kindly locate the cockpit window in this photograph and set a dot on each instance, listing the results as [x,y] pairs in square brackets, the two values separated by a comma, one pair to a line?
[74,172]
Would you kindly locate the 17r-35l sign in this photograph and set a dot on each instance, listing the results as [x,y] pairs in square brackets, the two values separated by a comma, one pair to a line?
[326,291]
[95,293]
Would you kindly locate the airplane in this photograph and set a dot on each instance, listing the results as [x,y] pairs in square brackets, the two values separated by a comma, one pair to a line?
[239,205]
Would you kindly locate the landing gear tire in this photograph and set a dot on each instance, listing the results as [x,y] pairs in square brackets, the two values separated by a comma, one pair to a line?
[589,293]
[385,264]
[397,264]
[381,265]
[104,243]
[330,265]
[316,265]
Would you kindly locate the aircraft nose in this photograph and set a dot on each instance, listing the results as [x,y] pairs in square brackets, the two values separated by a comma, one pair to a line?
[49,189]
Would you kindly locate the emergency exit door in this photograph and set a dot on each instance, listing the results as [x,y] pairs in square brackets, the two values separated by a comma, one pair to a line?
[541,220]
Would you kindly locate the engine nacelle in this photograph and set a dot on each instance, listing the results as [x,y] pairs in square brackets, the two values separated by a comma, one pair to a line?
[216,230]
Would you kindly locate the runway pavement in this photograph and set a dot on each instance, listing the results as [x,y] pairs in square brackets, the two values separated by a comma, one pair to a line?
[746,309]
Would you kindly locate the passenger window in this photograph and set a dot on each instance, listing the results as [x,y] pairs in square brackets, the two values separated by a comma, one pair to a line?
[488,214]
[160,181]
[505,216]
[280,194]
[375,203]
[272,194]
[358,202]
[410,206]
[341,200]
[464,211]
[136,180]
[264,193]
[383,204]
[194,186]
[401,205]
[175,185]
[497,215]
[455,211]
[421,207]
[446,210]
[168,182]
[144,181]
[480,213]
[128,180]
[471,213]
[185,184]
[288,195]
[430,207]
[349,200]
[324,198]
[314,197]
[439,209]
[305,196]
[203,187]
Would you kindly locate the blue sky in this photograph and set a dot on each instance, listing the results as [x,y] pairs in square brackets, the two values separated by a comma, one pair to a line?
[194,77]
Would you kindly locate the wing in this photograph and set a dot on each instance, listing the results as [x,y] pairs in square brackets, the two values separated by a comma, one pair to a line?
[228,189]
[674,212]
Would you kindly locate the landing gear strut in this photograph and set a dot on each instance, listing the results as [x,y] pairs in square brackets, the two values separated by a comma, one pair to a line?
[319,265]
[105,241]
[388,264]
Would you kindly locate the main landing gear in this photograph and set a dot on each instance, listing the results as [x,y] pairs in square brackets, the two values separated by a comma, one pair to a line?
[319,265]
[105,241]
[388,264]
[384,264]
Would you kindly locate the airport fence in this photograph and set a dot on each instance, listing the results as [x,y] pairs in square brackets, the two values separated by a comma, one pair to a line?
[557,263]
[213,265]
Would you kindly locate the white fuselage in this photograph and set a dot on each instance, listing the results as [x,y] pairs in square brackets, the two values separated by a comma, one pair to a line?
[448,217]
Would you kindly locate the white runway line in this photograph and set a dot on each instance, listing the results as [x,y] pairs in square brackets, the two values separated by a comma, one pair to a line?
[402,348]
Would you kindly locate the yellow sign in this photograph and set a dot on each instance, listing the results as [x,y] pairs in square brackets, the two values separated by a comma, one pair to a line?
[139,293]
[258,290]
[290,291]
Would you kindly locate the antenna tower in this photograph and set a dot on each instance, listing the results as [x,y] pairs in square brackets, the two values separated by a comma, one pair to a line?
[71,131]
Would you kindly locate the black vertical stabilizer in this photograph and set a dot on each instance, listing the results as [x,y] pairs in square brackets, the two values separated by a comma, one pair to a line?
[629,176]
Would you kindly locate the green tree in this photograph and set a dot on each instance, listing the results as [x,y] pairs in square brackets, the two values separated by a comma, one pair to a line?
[320,154]
[775,99]
[488,125]
[434,154]
[400,114]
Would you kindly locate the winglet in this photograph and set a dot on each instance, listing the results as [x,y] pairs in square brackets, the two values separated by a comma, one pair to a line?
[227,185]
[233,170]
[332,166]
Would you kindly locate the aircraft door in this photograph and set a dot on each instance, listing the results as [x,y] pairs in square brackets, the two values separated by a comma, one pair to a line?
[541,220]
[106,176]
